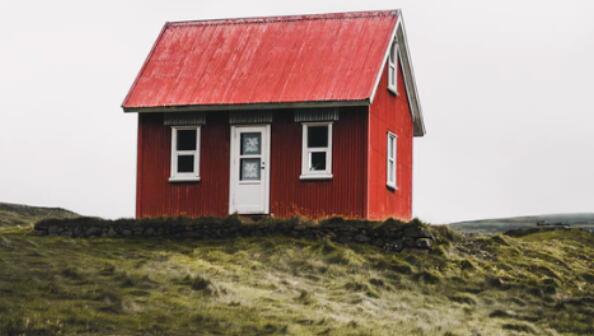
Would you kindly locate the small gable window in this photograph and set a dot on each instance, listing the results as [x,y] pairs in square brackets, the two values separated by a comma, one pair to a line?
[392,154]
[185,153]
[393,68]
[316,156]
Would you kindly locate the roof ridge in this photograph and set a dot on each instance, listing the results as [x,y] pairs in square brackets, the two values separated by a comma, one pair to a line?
[287,18]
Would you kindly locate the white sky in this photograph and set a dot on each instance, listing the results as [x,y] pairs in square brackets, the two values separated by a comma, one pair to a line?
[506,88]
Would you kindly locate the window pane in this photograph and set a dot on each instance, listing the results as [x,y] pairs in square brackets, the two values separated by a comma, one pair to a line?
[391,171]
[186,139]
[317,136]
[249,170]
[393,52]
[317,161]
[391,147]
[185,164]
[250,143]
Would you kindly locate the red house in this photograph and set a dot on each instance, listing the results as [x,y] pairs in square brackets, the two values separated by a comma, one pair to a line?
[308,115]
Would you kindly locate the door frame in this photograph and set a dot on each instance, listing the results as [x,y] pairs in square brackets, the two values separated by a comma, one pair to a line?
[233,156]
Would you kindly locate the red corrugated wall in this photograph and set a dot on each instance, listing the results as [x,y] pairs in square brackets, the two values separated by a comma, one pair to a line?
[343,195]
[156,196]
[390,113]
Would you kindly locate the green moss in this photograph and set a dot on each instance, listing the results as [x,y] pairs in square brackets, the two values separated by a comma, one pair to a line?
[280,285]
[427,277]
[464,299]
[22,215]
[519,327]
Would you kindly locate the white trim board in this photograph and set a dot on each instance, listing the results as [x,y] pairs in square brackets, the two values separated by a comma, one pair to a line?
[399,33]
[234,167]
[174,174]
[306,174]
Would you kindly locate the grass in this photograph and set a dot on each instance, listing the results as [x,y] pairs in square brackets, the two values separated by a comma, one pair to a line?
[499,225]
[538,284]
[17,214]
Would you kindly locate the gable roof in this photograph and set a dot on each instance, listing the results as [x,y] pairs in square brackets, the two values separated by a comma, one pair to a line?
[304,60]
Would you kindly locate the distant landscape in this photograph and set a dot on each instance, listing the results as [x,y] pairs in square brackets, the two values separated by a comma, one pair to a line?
[537,283]
[498,225]
[18,214]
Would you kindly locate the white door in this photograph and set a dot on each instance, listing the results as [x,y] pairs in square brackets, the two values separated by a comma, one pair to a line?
[250,167]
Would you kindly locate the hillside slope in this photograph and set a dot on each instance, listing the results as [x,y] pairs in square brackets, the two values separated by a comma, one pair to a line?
[539,284]
[495,225]
[17,214]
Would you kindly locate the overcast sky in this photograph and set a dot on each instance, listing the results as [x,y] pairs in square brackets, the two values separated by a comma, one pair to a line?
[506,88]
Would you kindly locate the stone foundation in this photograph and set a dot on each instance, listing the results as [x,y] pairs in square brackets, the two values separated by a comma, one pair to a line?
[391,235]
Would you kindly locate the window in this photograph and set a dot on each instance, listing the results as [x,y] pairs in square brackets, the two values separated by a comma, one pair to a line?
[185,153]
[316,157]
[393,68]
[250,156]
[392,154]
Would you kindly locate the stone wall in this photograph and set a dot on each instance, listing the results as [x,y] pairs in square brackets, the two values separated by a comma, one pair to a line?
[391,235]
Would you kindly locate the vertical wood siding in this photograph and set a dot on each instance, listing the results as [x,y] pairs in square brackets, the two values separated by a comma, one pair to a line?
[390,113]
[343,195]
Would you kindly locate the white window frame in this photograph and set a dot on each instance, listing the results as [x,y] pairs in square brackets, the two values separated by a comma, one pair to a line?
[306,152]
[184,177]
[393,68]
[392,162]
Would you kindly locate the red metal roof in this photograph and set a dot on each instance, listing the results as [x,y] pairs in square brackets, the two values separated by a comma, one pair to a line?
[285,59]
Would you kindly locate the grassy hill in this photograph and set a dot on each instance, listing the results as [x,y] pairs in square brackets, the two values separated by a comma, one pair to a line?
[578,220]
[538,284]
[17,214]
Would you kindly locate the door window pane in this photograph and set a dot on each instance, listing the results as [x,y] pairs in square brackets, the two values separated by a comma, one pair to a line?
[186,140]
[249,169]
[317,136]
[251,143]
[185,164]
[317,161]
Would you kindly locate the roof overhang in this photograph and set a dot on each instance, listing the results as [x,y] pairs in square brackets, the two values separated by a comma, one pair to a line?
[409,76]
[398,33]
[254,106]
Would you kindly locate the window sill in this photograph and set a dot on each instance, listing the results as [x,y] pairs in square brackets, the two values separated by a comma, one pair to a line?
[316,177]
[184,179]
[392,187]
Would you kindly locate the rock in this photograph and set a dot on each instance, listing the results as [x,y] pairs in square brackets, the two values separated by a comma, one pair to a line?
[195,234]
[378,242]
[361,238]
[93,231]
[111,232]
[40,232]
[395,246]
[77,232]
[53,230]
[413,231]
[424,243]
[391,235]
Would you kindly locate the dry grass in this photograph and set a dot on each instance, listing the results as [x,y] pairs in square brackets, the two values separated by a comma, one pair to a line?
[17,214]
[540,284]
